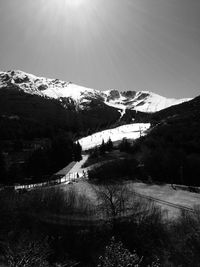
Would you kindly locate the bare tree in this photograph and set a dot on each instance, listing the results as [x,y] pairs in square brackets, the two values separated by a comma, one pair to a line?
[113,199]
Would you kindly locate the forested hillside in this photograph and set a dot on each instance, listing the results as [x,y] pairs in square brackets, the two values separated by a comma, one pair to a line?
[29,116]
[171,151]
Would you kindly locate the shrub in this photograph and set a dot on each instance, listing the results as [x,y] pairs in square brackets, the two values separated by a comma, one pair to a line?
[116,255]
[26,253]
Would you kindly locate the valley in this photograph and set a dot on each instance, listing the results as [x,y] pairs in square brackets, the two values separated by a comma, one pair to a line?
[99,133]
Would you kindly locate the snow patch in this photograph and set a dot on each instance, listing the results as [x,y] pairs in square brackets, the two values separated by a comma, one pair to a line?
[129,131]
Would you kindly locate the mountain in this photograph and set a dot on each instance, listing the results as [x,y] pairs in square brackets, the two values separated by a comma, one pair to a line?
[27,112]
[80,98]
[143,101]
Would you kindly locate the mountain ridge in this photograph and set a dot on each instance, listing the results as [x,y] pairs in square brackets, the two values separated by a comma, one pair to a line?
[70,94]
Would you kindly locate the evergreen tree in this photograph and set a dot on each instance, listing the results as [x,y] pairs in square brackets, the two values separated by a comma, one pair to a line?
[109,145]
[77,152]
[102,148]
[125,146]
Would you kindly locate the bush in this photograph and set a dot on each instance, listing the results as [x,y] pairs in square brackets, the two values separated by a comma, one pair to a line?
[25,252]
[116,255]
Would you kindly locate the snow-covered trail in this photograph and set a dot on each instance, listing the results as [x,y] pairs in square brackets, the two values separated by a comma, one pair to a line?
[73,170]
[77,168]
[129,131]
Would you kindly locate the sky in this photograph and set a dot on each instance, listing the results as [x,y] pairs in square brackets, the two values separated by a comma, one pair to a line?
[149,45]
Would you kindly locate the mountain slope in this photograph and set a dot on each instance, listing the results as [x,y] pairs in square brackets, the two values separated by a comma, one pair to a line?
[27,116]
[185,110]
[77,97]
[171,150]
[143,101]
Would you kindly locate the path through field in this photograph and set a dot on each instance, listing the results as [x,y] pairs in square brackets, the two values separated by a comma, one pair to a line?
[168,195]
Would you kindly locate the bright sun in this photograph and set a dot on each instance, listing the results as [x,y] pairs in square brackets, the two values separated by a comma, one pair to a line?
[75,3]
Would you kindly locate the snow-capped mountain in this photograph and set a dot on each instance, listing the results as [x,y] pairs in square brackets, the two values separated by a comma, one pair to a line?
[143,101]
[52,88]
[71,94]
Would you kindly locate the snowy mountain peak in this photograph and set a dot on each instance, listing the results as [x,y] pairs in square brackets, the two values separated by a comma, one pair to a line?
[81,97]
[143,101]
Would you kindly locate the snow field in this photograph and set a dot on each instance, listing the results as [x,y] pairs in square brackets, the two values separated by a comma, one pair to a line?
[129,131]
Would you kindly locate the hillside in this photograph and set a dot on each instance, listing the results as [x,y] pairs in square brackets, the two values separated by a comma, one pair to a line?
[187,109]
[29,116]
[171,150]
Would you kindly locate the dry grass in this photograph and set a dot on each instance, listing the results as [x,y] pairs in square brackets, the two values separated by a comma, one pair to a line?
[48,201]
[163,192]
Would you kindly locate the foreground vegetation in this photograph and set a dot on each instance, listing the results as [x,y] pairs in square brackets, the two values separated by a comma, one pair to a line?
[142,238]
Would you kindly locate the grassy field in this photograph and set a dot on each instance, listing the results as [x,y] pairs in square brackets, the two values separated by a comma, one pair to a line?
[161,192]
[168,194]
